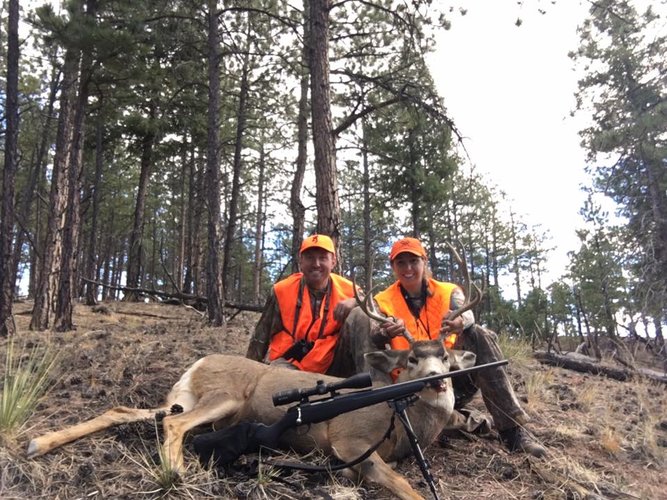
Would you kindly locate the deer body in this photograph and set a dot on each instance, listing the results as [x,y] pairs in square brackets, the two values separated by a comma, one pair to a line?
[226,390]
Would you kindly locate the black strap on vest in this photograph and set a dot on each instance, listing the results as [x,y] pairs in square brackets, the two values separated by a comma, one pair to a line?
[417,312]
[299,304]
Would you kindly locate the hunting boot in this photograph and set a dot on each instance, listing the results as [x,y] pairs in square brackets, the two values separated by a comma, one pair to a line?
[518,439]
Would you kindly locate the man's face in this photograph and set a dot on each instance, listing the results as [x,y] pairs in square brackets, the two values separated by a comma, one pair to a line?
[316,265]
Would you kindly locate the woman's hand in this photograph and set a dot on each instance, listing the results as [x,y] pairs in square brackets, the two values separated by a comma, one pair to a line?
[393,328]
[454,325]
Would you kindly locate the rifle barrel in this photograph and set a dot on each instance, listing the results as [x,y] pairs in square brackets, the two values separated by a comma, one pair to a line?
[313,412]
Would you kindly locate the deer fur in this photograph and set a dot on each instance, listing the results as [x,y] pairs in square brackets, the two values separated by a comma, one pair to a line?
[226,390]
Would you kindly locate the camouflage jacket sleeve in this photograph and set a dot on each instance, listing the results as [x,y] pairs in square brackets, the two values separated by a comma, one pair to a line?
[457,300]
[268,325]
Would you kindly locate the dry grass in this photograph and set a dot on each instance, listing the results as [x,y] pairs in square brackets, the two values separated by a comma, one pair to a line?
[537,386]
[605,438]
[516,349]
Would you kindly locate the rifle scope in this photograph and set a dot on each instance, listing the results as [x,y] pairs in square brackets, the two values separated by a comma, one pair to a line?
[358,381]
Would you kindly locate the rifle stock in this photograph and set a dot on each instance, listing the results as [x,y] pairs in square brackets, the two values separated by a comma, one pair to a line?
[226,445]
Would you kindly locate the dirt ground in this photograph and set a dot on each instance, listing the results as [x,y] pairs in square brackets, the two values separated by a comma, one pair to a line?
[606,439]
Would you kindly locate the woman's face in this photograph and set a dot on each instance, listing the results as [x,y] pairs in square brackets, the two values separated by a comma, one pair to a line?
[409,270]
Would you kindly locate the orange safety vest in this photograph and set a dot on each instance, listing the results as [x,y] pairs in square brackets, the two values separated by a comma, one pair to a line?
[296,315]
[427,326]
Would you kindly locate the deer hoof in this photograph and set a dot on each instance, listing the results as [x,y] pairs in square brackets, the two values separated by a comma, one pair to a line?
[33,449]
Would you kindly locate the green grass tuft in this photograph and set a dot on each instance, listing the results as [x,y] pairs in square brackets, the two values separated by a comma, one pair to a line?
[28,376]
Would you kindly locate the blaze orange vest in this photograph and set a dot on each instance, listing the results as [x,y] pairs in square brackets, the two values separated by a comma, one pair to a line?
[427,326]
[299,323]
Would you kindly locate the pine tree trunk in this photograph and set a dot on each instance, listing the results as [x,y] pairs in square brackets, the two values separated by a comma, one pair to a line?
[296,207]
[515,258]
[494,248]
[180,264]
[259,230]
[368,237]
[49,272]
[326,182]
[241,118]
[62,320]
[214,289]
[28,195]
[90,267]
[135,253]
[9,173]
[194,211]
[658,200]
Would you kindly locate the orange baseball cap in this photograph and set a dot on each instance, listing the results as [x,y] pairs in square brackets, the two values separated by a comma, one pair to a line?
[318,241]
[410,245]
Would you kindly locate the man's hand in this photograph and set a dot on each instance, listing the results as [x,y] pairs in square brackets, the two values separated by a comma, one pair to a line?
[343,308]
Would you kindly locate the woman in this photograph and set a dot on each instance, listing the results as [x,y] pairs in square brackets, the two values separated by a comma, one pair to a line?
[419,305]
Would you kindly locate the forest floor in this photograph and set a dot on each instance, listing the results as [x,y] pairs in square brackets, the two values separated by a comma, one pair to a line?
[605,438]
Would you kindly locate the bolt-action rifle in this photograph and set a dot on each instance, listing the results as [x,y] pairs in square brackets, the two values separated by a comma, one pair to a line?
[223,447]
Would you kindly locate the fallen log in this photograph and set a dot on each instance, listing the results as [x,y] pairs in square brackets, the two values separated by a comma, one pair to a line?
[197,301]
[584,364]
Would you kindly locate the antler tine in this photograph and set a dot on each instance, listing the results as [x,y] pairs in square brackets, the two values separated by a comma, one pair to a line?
[368,307]
[468,305]
[462,264]
[365,304]
[469,285]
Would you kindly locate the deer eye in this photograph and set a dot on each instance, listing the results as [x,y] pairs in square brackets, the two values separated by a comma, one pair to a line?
[412,360]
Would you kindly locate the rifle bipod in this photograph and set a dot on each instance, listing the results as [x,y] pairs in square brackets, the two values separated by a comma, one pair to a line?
[400,406]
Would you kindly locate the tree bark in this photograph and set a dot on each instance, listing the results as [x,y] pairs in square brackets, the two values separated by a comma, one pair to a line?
[91,255]
[259,229]
[195,208]
[62,320]
[49,272]
[241,118]
[297,208]
[214,289]
[515,259]
[30,190]
[135,252]
[368,237]
[9,173]
[179,266]
[326,182]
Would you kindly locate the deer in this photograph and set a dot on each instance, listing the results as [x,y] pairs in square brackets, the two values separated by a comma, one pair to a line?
[224,390]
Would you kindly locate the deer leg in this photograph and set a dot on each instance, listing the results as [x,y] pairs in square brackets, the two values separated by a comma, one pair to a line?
[115,416]
[176,426]
[378,471]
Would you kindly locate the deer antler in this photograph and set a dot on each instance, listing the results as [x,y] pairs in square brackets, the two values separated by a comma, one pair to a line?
[470,302]
[368,307]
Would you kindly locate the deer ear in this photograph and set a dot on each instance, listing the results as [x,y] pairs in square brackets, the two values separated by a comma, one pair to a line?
[458,360]
[386,361]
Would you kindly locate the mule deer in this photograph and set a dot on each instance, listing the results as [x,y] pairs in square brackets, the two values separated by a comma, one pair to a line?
[227,389]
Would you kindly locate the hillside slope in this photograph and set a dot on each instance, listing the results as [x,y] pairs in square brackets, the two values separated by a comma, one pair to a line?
[606,439]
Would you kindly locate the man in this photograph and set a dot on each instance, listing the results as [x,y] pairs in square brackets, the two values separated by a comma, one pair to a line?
[419,305]
[303,316]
